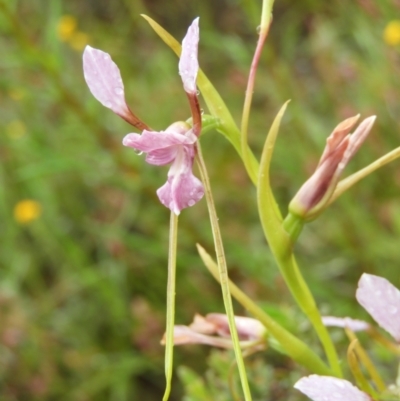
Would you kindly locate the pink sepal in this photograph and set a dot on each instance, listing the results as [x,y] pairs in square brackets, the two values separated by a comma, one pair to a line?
[381,300]
[326,388]
[345,322]
[188,62]
[104,81]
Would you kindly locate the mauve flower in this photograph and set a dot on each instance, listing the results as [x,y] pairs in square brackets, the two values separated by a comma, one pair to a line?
[326,388]
[340,147]
[177,144]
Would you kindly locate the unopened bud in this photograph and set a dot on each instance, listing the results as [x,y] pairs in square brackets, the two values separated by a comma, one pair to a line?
[340,147]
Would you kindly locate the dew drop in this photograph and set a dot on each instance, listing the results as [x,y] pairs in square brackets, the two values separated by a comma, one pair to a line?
[258,29]
[118,90]
[191,202]
[106,56]
[108,104]
[197,93]
[138,152]
[392,310]
[202,111]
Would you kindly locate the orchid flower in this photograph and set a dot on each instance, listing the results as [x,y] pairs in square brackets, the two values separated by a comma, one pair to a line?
[315,193]
[203,330]
[177,144]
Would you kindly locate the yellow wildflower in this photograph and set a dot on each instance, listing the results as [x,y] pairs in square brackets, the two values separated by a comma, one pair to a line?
[27,210]
[15,129]
[391,33]
[66,27]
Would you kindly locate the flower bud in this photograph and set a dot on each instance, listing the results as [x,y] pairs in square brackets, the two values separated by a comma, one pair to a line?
[340,147]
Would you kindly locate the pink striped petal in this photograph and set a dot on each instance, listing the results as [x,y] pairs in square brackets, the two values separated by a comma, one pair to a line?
[104,80]
[188,62]
[325,388]
[381,300]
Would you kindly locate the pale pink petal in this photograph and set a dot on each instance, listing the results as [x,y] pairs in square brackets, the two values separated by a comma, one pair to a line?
[182,189]
[381,300]
[185,335]
[345,322]
[356,140]
[201,325]
[104,80]
[325,388]
[161,147]
[248,329]
[337,136]
[188,62]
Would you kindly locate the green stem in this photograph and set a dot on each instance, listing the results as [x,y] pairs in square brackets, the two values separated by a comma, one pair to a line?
[293,225]
[348,182]
[223,275]
[281,246]
[290,344]
[169,335]
[366,360]
[266,18]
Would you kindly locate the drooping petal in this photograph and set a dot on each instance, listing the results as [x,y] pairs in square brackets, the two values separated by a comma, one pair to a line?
[381,300]
[325,388]
[104,81]
[248,328]
[188,62]
[182,189]
[185,335]
[202,326]
[345,322]
[161,147]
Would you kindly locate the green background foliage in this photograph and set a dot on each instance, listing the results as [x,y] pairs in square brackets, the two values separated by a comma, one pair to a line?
[82,288]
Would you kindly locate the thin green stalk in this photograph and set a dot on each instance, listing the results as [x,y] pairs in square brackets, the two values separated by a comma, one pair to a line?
[266,18]
[169,335]
[281,246]
[348,182]
[290,344]
[223,275]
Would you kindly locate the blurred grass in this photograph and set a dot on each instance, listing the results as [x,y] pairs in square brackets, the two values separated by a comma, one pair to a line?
[82,288]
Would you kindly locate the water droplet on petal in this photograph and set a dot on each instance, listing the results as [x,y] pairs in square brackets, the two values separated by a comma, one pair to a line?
[138,152]
[191,202]
[197,93]
[392,310]
[108,104]
[118,90]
